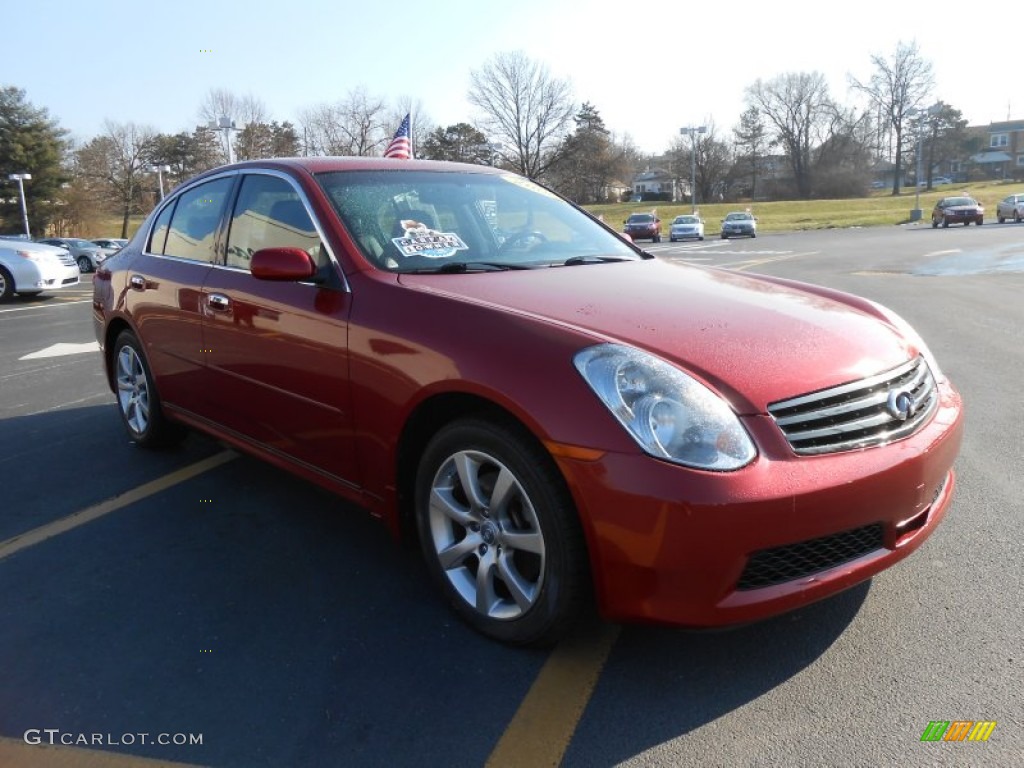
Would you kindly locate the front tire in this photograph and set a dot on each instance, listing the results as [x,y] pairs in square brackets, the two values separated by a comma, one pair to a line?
[6,285]
[84,265]
[137,399]
[499,532]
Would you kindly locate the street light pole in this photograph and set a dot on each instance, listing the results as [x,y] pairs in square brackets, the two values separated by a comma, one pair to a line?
[160,171]
[21,178]
[917,213]
[692,132]
[227,125]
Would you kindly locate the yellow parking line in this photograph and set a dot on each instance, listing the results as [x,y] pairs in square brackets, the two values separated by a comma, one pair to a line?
[64,524]
[16,752]
[542,727]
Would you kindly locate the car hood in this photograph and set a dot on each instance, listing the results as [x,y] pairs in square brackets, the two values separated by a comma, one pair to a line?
[755,341]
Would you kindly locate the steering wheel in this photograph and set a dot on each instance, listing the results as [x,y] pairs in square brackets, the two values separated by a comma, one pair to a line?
[530,238]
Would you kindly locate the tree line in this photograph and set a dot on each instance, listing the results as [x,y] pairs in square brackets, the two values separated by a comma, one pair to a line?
[793,140]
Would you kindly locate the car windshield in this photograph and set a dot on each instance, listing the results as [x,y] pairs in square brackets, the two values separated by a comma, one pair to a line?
[408,221]
[685,220]
[641,218]
[78,243]
[960,201]
[738,217]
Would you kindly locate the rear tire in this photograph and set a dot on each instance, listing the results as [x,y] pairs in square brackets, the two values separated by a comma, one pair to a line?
[137,400]
[499,532]
[1000,219]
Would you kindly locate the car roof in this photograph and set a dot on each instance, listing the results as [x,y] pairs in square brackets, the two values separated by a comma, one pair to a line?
[326,164]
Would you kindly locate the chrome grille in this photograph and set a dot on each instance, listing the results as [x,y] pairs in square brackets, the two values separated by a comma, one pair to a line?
[871,411]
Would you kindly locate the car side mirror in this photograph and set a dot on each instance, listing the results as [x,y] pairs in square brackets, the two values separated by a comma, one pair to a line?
[282,265]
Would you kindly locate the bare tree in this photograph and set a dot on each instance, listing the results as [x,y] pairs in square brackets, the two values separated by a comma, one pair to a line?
[944,129]
[799,110]
[114,162]
[525,108]
[357,125]
[897,89]
[241,111]
[712,161]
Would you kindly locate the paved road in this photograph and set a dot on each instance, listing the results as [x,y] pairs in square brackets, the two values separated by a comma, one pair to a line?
[229,600]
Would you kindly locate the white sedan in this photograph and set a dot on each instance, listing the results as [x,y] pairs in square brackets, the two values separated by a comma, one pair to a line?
[29,268]
[686,226]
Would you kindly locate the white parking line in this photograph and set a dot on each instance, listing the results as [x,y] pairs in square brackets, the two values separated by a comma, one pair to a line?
[48,306]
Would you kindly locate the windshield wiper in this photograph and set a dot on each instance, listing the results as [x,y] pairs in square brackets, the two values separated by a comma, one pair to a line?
[572,261]
[469,266]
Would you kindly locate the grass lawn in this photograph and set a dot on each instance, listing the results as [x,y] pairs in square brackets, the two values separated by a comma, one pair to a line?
[880,209]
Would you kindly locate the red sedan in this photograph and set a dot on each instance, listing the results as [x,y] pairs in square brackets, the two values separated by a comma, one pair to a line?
[555,415]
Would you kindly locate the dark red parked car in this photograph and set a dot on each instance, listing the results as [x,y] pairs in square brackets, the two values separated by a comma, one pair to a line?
[553,413]
[643,226]
[958,210]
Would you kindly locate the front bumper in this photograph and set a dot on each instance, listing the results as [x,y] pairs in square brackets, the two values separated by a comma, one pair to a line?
[674,545]
[49,277]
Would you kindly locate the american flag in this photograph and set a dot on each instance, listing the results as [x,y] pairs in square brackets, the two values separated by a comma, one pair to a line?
[400,146]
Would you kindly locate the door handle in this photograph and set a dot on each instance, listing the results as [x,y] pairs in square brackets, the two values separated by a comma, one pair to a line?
[138,282]
[218,302]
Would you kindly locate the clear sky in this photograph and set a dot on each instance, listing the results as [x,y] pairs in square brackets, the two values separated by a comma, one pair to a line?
[648,67]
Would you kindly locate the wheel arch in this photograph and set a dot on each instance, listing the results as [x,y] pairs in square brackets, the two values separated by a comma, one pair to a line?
[426,419]
[114,329]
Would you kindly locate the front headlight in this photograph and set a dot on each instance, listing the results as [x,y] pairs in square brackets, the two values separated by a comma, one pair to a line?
[910,335]
[670,415]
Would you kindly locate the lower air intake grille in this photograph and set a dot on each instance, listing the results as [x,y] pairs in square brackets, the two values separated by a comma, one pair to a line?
[769,567]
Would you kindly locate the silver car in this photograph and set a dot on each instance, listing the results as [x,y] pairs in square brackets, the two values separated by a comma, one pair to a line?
[29,268]
[686,226]
[87,254]
[1011,207]
[739,223]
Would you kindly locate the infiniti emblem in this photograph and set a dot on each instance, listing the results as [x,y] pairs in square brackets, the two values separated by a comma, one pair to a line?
[901,404]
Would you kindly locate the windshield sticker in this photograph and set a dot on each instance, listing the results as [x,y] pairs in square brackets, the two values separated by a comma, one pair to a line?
[420,240]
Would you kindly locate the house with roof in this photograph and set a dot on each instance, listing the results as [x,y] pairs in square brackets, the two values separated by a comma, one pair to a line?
[658,184]
[1000,153]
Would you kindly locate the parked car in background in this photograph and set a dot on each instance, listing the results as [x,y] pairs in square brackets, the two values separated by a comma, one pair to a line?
[1011,207]
[739,224]
[958,210]
[554,415]
[644,226]
[941,181]
[111,243]
[28,268]
[686,226]
[87,254]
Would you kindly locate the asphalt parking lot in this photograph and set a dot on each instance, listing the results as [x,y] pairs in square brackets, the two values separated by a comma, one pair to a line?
[198,607]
